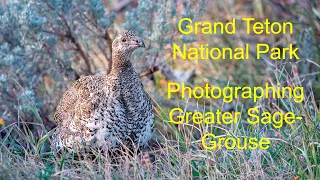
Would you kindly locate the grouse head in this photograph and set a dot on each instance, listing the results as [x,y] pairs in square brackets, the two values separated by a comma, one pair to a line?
[126,43]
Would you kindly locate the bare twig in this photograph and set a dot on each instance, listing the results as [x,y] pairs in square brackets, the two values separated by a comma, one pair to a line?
[149,72]
[74,40]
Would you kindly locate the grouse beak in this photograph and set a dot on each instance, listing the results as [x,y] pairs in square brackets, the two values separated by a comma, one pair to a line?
[140,42]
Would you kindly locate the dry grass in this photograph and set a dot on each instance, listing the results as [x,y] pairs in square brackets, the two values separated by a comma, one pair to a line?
[294,152]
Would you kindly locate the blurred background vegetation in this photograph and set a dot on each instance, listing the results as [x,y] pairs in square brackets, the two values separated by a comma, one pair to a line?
[45,45]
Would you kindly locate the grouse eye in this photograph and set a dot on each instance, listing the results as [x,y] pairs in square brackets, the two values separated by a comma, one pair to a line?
[124,40]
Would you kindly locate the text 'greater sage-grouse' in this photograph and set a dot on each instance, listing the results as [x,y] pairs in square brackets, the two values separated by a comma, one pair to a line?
[103,110]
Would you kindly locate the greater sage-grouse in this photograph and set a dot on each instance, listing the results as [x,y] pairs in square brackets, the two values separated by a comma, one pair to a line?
[101,111]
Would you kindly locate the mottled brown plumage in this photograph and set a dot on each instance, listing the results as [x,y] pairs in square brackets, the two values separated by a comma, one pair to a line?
[103,110]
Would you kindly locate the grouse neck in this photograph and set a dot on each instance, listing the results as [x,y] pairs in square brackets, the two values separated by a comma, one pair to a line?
[121,64]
